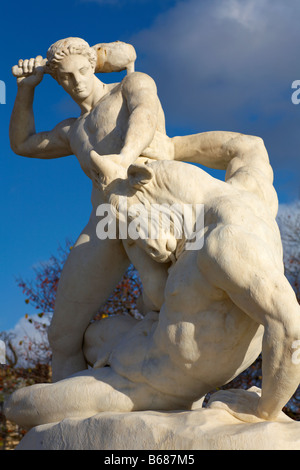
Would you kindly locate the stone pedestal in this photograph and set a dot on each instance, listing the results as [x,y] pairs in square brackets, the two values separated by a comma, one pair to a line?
[211,428]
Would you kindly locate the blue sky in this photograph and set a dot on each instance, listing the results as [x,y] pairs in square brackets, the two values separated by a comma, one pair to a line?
[218,65]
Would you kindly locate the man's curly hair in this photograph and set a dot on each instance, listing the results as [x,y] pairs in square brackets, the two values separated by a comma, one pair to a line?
[65,47]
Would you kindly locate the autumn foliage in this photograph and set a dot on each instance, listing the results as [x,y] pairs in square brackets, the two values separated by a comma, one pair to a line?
[41,292]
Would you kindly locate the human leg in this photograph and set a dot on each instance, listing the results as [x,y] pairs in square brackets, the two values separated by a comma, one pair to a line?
[83,395]
[102,336]
[92,270]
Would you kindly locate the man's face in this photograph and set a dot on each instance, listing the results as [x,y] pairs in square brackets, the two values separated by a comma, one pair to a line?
[76,76]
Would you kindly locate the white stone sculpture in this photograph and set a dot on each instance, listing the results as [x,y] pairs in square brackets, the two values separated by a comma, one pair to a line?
[210,428]
[209,310]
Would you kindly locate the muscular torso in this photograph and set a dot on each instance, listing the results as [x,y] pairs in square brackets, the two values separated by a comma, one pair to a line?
[104,129]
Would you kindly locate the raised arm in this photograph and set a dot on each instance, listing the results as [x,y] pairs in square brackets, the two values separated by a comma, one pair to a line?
[23,137]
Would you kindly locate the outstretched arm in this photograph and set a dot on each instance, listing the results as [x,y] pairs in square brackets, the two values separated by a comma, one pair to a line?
[23,137]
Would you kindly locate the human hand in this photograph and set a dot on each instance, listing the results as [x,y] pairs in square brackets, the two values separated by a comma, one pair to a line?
[29,72]
[160,148]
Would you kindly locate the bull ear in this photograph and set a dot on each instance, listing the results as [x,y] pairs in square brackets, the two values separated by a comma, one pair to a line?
[139,175]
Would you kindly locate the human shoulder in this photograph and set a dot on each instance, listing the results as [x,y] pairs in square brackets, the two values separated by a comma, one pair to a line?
[66,124]
[136,81]
[63,128]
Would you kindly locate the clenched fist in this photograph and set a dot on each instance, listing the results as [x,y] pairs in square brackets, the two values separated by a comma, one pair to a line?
[29,72]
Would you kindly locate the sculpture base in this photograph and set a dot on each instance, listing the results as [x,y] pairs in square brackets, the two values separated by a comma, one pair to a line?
[211,428]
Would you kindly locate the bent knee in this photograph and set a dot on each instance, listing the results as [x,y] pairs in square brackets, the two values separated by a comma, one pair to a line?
[249,142]
[251,150]
[108,329]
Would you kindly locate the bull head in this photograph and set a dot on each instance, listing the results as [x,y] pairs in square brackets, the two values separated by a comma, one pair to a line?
[115,181]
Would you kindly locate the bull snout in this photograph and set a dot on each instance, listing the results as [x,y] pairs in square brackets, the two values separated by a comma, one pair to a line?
[160,250]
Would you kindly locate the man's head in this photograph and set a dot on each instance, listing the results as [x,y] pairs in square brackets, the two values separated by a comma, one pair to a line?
[72,62]
[65,47]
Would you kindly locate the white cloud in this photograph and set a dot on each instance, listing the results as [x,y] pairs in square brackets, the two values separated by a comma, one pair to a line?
[228,65]
[233,42]
[246,13]
[30,340]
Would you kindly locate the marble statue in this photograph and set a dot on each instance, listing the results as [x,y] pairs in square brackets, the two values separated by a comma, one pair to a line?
[208,311]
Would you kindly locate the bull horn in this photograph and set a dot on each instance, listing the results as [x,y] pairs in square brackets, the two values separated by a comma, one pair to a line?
[101,163]
[106,166]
